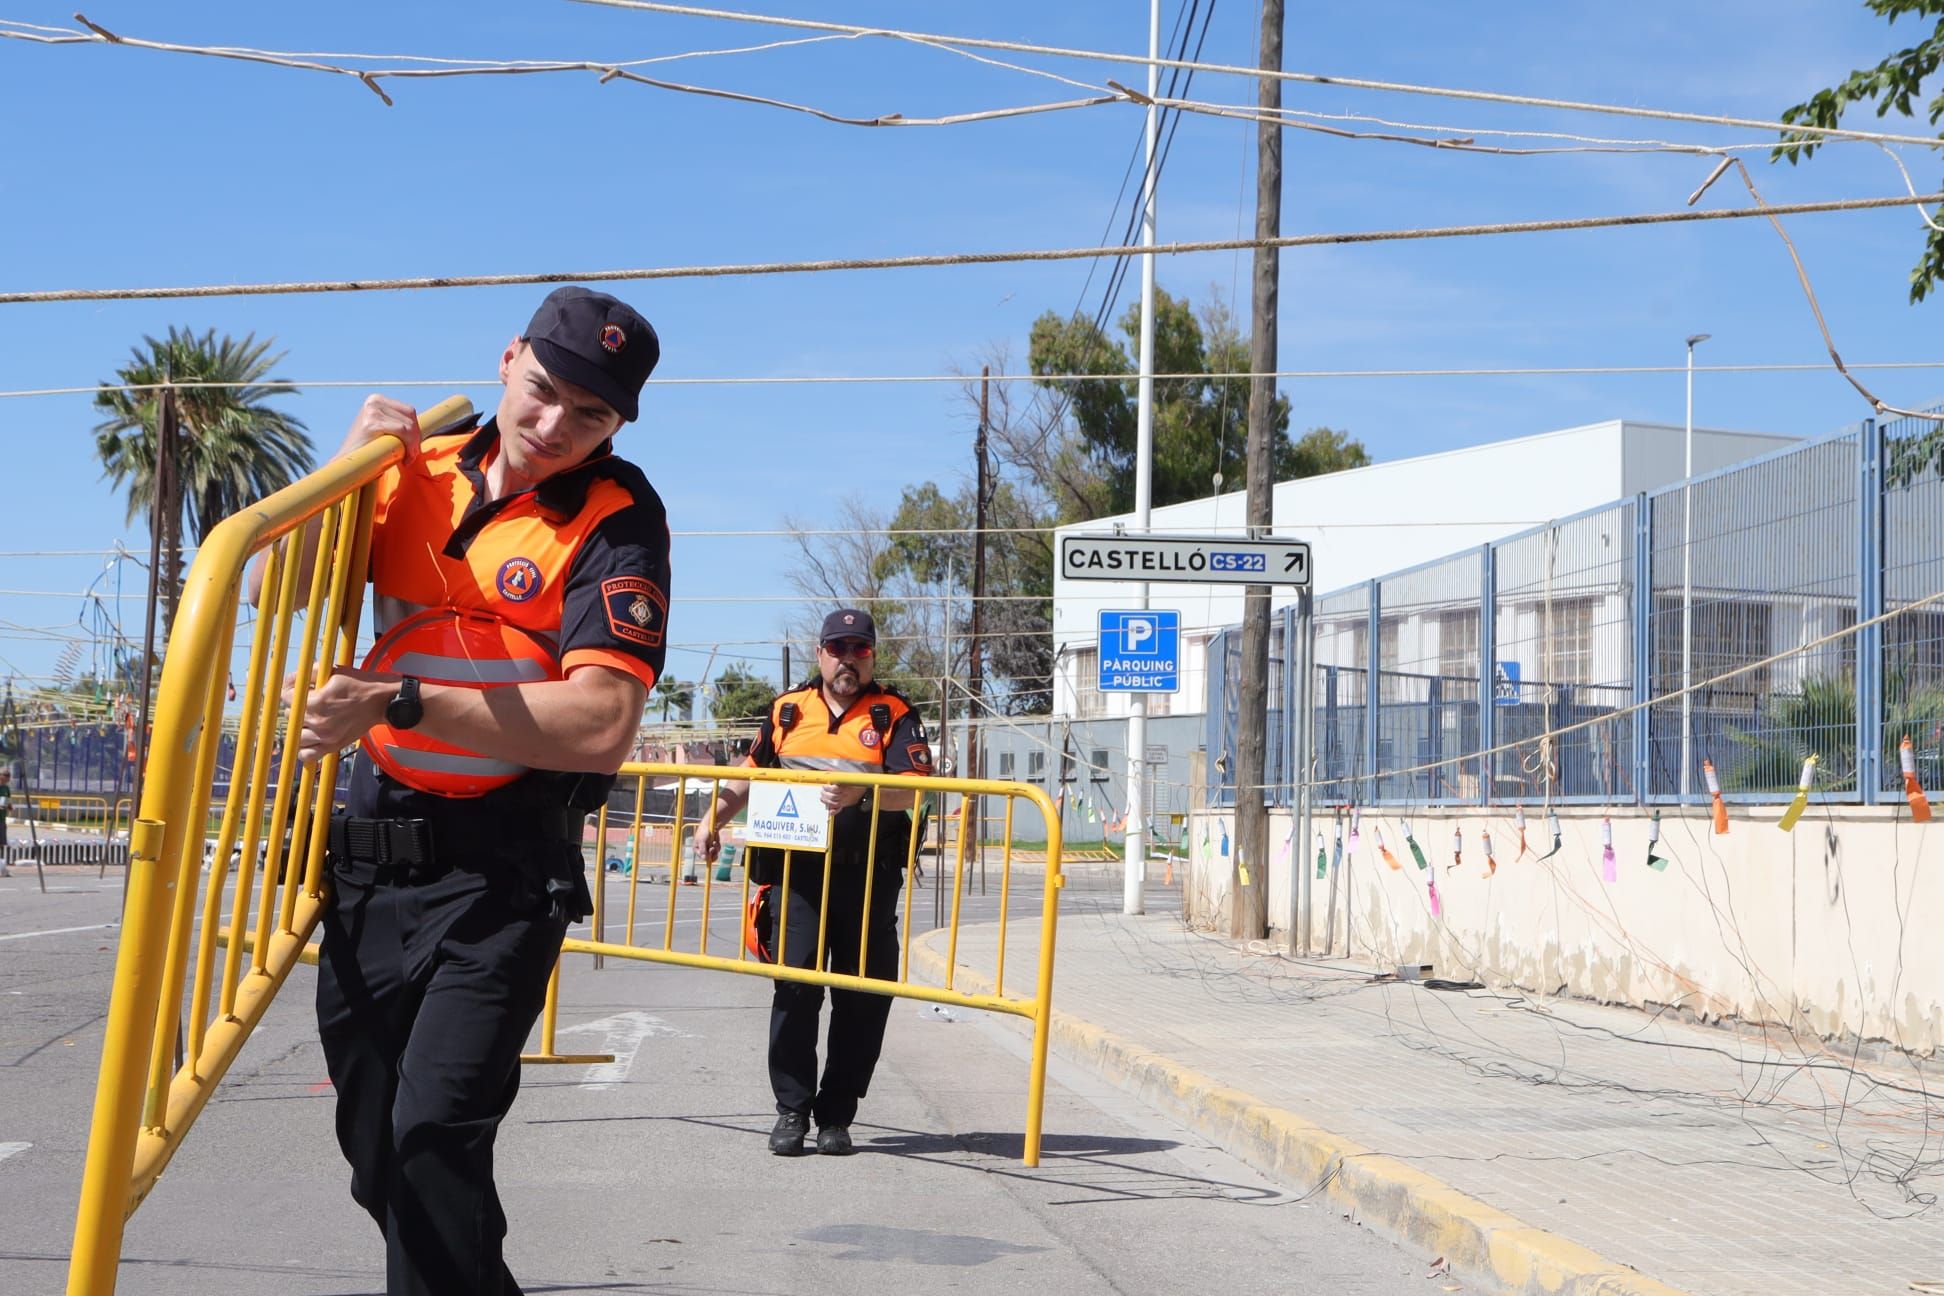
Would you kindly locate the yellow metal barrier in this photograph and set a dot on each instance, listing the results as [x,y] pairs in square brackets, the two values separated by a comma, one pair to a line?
[185,935]
[689,808]
[143,1102]
[69,809]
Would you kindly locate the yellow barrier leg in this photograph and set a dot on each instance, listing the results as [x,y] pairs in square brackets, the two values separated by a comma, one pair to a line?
[99,1219]
[549,1020]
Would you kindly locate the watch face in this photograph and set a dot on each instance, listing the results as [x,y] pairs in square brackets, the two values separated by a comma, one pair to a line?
[405,710]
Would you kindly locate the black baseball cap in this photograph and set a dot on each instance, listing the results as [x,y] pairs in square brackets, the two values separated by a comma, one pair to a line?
[849,623]
[598,342]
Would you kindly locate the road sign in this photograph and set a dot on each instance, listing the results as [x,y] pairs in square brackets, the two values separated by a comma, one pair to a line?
[1505,683]
[788,815]
[1140,652]
[1201,560]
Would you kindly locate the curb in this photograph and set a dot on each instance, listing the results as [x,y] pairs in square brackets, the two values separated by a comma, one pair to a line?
[1480,1242]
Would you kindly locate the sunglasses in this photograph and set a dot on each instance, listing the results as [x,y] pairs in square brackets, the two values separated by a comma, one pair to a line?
[858,648]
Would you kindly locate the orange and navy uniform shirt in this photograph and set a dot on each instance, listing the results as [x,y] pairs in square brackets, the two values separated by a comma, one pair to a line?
[580,560]
[821,740]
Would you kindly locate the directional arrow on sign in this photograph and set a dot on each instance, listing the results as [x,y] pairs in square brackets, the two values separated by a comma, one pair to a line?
[625,1031]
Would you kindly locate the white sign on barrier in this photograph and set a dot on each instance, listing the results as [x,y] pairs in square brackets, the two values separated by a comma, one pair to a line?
[790,815]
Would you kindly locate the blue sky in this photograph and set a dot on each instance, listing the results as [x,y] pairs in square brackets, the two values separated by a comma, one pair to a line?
[134,168]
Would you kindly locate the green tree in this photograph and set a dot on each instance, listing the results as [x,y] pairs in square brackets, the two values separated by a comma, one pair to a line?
[932,541]
[1893,83]
[1200,419]
[233,447]
[739,694]
[676,694]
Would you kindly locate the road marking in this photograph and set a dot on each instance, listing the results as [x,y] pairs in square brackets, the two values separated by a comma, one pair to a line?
[9,1149]
[625,1031]
[58,931]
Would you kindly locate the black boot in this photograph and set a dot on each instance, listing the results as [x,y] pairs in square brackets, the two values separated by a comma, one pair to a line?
[786,1137]
[834,1140]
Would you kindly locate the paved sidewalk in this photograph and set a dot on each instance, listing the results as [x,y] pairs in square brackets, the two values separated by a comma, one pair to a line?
[1716,1162]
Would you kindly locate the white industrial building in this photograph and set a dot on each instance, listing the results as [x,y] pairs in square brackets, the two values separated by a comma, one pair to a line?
[1370,522]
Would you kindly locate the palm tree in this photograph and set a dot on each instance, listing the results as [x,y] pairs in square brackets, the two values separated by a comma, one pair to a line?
[232,448]
[674,693]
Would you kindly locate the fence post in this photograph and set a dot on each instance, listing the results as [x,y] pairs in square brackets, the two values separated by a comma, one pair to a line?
[1643,646]
[1869,640]
[1373,710]
[1487,669]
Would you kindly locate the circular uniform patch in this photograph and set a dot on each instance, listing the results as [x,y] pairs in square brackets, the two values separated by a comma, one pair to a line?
[869,737]
[612,338]
[519,579]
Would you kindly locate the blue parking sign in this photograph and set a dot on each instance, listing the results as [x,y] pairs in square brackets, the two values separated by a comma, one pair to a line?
[1140,652]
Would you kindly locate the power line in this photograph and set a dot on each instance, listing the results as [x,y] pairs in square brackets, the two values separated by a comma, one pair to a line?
[829,380]
[739,269]
[1308,78]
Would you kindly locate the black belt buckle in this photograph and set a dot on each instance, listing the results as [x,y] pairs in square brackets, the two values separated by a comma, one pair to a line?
[383,851]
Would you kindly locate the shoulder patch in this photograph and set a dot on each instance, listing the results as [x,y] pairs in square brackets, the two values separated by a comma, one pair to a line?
[637,609]
[920,755]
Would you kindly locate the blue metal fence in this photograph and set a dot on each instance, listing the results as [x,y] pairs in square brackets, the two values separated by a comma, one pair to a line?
[1613,610]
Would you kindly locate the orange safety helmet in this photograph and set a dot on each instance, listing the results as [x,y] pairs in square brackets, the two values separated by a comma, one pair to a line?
[465,650]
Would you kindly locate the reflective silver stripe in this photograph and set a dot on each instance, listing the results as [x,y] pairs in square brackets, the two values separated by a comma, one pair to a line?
[434,762]
[388,611]
[470,670]
[830,763]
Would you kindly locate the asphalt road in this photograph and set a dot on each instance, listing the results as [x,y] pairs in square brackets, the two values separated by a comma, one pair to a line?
[652,1174]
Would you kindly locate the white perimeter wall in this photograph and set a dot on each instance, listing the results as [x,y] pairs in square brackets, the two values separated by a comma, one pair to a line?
[1830,929]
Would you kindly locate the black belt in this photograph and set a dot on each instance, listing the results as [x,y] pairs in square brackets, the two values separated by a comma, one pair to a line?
[413,852]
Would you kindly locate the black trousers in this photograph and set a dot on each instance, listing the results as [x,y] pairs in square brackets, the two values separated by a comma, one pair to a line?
[425,996]
[857,1018]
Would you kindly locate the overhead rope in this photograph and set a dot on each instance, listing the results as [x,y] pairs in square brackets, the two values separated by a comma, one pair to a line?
[738,269]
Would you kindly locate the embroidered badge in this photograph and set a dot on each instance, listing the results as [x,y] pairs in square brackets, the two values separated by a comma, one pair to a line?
[869,737]
[921,757]
[636,609]
[518,580]
[612,338]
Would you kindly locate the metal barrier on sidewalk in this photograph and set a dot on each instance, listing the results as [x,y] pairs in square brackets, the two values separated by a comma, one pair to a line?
[675,784]
[68,809]
[270,823]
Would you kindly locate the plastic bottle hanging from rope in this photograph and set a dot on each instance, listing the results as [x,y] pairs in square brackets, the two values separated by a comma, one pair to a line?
[1714,796]
[1519,822]
[1609,863]
[1384,851]
[1322,859]
[1800,803]
[1920,811]
[1417,851]
[1437,902]
[1356,825]
[1491,860]
[1457,847]
[1559,838]
[1655,860]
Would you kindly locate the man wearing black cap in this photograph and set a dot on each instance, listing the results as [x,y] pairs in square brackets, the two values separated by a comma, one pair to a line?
[841,720]
[520,575]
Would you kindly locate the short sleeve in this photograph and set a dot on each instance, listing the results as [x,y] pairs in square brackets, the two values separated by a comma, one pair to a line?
[614,611]
[909,749]
[763,754]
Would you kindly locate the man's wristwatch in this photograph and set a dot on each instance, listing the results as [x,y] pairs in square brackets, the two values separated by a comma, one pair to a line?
[405,710]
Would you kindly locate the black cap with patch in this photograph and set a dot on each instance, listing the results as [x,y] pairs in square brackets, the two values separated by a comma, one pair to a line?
[849,623]
[598,342]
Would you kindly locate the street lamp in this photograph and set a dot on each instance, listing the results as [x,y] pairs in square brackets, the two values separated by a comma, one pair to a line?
[1687,578]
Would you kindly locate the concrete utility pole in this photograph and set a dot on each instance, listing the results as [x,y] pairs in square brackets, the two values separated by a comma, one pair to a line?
[1134,863]
[1250,885]
[974,766]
